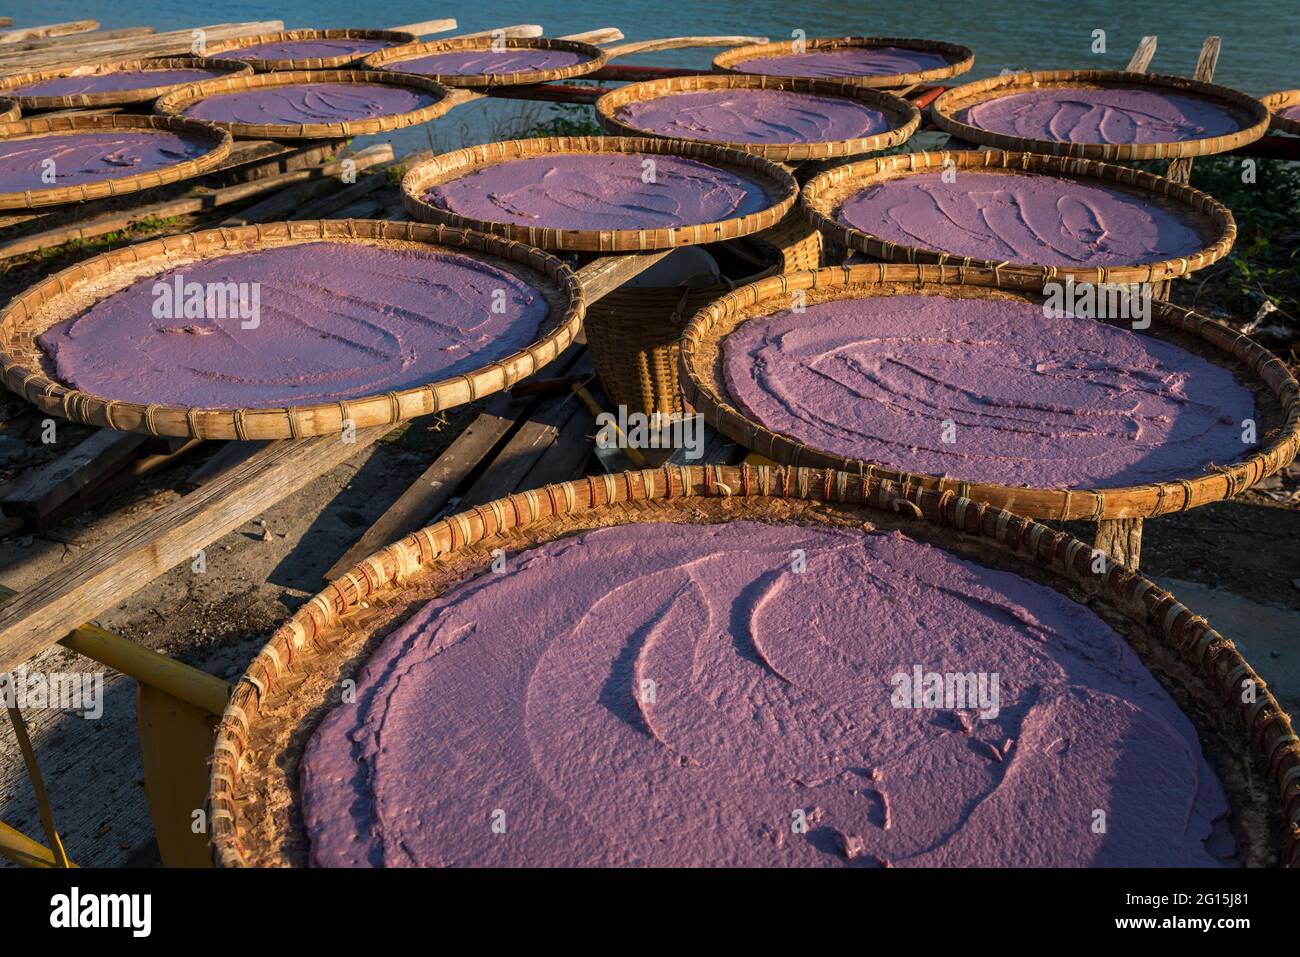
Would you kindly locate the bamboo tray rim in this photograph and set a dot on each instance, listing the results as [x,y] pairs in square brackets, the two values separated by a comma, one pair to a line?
[10,109]
[704,390]
[176,102]
[1275,103]
[596,58]
[72,123]
[822,195]
[944,109]
[781,185]
[112,97]
[906,117]
[318,631]
[962,58]
[305,63]
[558,330]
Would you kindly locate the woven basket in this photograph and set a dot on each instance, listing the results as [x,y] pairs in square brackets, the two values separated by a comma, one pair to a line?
[9,110]
[1254,117]
[825,193]
[1275,103]
[112,97]
[1276,392]
[904,117]
[960,58]
[393,37]
[217,140]
[391,60]
[178,101]
[27,371]
[293,682]
[633,331]
[781,188]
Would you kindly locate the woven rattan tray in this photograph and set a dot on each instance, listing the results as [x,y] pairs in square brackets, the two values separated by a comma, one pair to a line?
[905,118]
[255,815]
[112,97]
[27,371]
[781,187]
[178,101]
[217,140]
[392,37]
[960,58]
[822,195]
[1277,394]
[9,110]
[1253,116]
[1275,103]
[391,60]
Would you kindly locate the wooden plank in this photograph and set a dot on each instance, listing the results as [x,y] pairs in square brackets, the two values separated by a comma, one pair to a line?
[321,208]
[48,43]
[599,35]
[524,30]
[172,43]
[49,30]
[435,487]
[224,459]
[6,21]
[568,454]
[103,576]
[1142,56]
[109,485]
[602,276]
[426,27]
[37,492]
[288,202]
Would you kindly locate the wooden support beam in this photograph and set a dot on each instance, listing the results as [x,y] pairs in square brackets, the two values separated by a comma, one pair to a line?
[1142,56]
[171,43]
[39,491]
[49,30]
[425,27]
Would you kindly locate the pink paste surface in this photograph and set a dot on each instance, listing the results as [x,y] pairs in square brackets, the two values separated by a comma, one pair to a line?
[754,116]
[601,191]
[484,62]
[1021,218]
[115,82]
[1102,116]
[321,49]
[522,698]
[336,321]
[1050,403]
[87,157]
[295,103]
[845,63]
[1291,112]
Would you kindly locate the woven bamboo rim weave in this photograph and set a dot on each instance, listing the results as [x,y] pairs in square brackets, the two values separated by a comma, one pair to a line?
[112,97]
[904,117]
[394,37]
[780,185]
[293,681]
[960,58]
[9,110]
[825,193]
[633,332]
[178,101]
[1275,103]
[945,109]
[392,58]
[23,364]
[218,141]
[705,389]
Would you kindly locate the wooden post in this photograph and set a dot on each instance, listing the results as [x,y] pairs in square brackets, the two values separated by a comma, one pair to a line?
[1121,540]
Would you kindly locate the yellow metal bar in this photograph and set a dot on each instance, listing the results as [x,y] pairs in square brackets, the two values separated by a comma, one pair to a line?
[145,665]
[21,849]
[38,787]
[175,744]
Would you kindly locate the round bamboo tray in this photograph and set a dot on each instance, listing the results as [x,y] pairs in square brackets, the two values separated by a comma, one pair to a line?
[960,58]
[1252,115]
[781,187]
[633,331]
[253,798]
[1275,103]
[112,97]
[1277,394]
[822,195]
[904,117]
[27,371]
[178,101]
[391,59]
[393,37]
[218,141]
[9,110]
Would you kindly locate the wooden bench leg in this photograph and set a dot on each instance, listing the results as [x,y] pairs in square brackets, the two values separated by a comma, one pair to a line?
[1121,540]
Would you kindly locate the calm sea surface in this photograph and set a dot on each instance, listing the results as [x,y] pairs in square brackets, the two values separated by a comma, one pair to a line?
[1260,37]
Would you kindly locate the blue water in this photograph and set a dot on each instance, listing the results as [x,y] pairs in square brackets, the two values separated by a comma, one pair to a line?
[1260,37]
